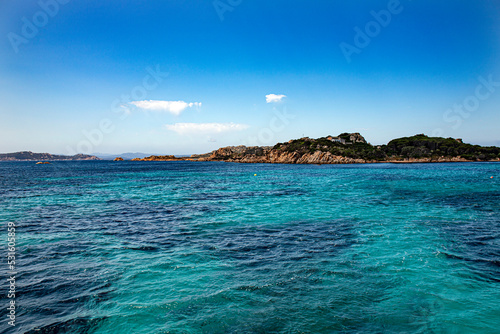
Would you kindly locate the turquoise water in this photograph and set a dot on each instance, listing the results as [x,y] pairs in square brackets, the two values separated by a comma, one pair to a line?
[185,247]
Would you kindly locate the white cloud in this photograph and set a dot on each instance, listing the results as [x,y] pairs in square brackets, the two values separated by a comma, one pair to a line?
[173,107]
[273,98]
[204,128]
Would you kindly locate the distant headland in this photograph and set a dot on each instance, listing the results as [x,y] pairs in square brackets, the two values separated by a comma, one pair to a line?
[30,156]
[349,148]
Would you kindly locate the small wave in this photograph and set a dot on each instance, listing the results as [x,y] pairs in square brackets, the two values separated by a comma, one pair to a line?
[81,325]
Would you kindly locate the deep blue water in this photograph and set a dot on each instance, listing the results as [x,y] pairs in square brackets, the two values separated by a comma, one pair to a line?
[186,247]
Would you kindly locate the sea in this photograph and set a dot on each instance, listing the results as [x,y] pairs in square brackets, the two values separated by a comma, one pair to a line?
[216,247]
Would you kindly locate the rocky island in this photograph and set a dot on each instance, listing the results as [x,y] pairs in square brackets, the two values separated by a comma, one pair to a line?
[159,158]
[349,148]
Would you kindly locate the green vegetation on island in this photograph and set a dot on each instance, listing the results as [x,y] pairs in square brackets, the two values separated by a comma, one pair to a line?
[421,146]
[416,147]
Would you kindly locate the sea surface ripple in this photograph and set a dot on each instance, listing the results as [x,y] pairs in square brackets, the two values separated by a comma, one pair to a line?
[186,247]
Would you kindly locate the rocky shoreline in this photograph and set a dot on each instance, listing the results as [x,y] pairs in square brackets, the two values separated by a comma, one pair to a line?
[348,148]
[156,158]
[243,154]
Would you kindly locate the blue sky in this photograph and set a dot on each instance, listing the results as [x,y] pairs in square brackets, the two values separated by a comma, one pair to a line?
[182,77]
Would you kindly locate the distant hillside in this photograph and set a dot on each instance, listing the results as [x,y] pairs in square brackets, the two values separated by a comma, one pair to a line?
[353,148]
[30,156]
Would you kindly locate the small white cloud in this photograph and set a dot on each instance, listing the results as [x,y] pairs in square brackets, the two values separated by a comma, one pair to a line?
[273,98]
[173,107]
[204,128]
